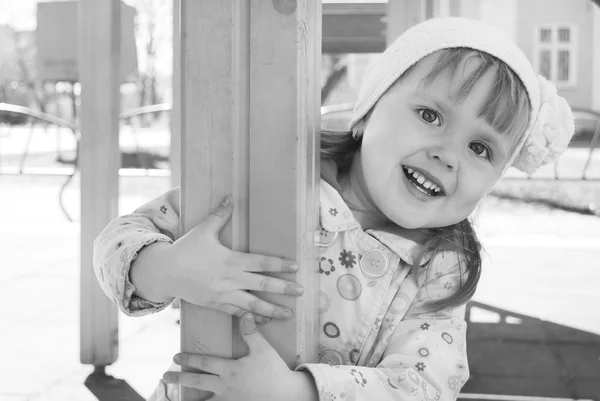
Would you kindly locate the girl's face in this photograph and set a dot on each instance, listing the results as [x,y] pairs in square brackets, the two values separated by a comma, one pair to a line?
[426,157]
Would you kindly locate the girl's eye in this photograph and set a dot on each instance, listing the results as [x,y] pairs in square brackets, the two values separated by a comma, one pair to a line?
[430,116]
[481,150]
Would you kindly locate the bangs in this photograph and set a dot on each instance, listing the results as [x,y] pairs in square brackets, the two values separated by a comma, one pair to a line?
[507,107]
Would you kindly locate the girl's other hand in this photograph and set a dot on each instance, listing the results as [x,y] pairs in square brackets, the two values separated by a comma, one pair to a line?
[260,376]
[206,273]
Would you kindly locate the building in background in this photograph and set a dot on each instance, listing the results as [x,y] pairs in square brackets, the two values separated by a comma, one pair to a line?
[561,38]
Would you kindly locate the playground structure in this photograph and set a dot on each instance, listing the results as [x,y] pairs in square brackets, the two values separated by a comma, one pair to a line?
[230,134]
[237,135]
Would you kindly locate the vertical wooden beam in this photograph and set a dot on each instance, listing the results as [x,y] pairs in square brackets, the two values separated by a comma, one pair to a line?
[284,156]
[214,84]
[175,149]
[402,14]
[99,160]
[249,127]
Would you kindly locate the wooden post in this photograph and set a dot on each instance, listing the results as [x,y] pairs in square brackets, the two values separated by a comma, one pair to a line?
[175,149]
[402,14]
[99,160]
[249,127]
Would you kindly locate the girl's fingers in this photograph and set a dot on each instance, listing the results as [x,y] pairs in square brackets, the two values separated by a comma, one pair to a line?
[239,312]
[257,306]
[251,335]
[200,381]
[206,363]
[268,264]
[259,282]
[232,310]
[219,216]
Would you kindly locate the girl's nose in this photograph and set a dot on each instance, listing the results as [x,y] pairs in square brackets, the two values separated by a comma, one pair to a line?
[446,157]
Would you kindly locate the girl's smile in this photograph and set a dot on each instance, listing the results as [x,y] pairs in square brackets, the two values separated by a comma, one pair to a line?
[424,182]
[428,156]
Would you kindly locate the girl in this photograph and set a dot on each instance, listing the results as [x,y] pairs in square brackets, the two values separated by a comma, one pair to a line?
[440,116]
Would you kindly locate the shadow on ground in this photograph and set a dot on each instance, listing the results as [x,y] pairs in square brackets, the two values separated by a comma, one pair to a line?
[522,355]
[107,388]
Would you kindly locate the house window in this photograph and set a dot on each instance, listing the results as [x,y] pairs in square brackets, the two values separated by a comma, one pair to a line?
[555,53]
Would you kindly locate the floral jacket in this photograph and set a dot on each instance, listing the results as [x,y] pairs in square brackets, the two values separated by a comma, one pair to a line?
[377,342]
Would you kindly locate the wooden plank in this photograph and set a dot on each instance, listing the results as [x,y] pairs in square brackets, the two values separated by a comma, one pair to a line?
[215,150]
[513,359]
[354,27]
[57,42]
[503,397]
[518,386]
[284,157]
[540,331]
[208,151]
[99,159]
[175,123]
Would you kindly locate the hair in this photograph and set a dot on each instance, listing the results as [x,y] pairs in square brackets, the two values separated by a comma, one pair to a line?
[507,109]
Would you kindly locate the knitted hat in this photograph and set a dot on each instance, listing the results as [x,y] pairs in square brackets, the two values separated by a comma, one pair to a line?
[551,122]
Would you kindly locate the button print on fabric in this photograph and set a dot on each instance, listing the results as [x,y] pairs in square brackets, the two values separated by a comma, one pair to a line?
[458,380]
[447,337]
[411,375]
[324,302]
[400,304]
[349,394]
[352,351]
[349,287]
[359,378]
[374,263]
[326,266]
[354,354]
[332,358]
[347,259]
[326,238]
[430,393]
[331,330]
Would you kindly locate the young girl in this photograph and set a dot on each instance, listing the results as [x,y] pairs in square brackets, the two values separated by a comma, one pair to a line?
[441,115]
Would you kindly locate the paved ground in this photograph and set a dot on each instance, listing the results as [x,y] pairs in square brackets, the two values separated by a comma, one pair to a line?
[540,262]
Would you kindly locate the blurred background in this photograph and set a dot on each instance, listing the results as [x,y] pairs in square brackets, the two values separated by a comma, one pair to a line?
[535,320]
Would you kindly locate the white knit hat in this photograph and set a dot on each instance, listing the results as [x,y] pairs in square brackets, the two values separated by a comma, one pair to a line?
[551,123]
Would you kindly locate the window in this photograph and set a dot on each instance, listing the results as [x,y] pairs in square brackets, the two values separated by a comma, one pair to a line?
[555,54]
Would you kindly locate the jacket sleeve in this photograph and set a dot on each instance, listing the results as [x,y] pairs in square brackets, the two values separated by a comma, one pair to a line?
[119,243]
[425,358]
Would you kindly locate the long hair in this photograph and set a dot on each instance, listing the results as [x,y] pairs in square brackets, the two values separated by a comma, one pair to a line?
[507,109]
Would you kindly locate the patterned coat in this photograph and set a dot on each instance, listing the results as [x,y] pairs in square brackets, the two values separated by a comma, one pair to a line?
[377,342]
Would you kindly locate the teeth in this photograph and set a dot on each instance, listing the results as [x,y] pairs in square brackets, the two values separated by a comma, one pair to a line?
[423,181]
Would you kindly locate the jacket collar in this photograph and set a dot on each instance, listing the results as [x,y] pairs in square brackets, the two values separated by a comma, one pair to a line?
[336,216]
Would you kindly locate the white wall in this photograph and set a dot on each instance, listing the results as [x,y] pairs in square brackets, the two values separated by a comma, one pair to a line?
[501,14]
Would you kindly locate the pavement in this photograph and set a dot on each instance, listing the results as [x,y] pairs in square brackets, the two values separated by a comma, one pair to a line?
[539,262]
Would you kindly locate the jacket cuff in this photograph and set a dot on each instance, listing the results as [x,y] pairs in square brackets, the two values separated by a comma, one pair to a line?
[130,304]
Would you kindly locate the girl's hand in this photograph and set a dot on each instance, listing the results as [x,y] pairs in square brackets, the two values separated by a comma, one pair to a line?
[260,376]
[207,274]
